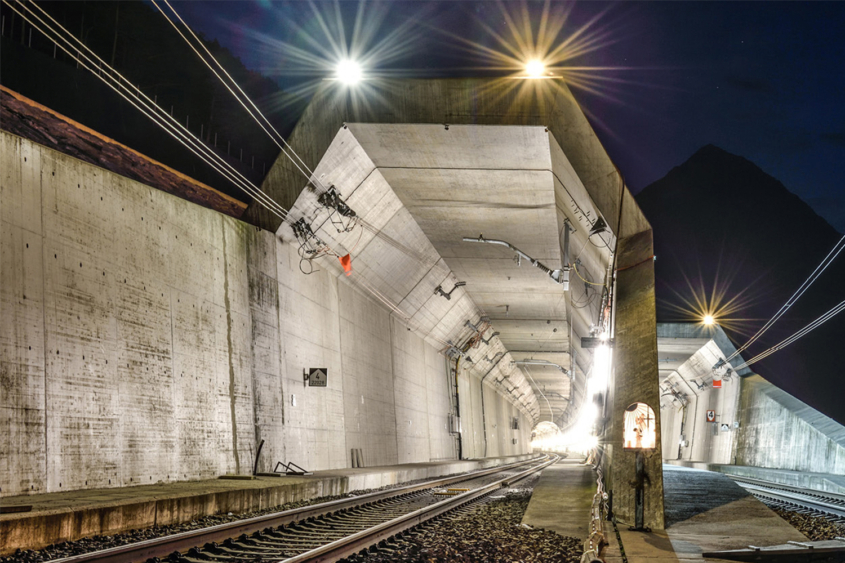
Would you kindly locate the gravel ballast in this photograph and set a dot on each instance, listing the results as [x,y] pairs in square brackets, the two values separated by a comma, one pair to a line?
[486,532]
[816,528]
[97,543]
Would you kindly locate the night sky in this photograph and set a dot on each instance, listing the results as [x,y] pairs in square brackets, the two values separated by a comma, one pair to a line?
[762,80]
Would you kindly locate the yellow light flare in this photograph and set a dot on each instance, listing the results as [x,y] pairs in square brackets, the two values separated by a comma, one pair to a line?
[535,68]
[722,304]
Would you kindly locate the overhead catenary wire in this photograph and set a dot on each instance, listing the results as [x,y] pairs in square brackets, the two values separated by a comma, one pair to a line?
[135,97]
[804,331]
[265,123]
[171,125]
[278,139]
[831,256]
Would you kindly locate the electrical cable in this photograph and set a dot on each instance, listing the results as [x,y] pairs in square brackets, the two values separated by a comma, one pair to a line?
[804,331]
[837,248]
[551,412]
[310,176]
[175,129]
[186,135]
[575,267]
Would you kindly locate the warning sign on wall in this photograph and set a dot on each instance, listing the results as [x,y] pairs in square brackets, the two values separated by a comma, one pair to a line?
[711,416]
[717,383]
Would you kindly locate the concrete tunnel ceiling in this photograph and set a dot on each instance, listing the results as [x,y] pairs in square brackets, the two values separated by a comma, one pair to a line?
[425,187]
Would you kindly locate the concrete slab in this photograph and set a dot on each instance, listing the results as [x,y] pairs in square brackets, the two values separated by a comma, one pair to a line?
[561,499]
[828,482]
[68,516]
[705,511]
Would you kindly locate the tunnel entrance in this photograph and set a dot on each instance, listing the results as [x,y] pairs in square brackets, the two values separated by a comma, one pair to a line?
[545,437]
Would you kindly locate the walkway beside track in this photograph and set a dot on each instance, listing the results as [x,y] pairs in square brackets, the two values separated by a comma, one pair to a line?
[70,515]
[562,498]
[705,511]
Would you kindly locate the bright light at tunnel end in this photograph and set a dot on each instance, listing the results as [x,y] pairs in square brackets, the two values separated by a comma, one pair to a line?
[580,437]
[349,72]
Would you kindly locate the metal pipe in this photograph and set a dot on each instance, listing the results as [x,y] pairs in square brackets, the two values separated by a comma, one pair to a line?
[695,411]
[533,362]
[556,275]
[483,416]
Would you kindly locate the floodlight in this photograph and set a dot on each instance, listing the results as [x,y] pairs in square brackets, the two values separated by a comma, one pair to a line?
[708,320]
[535,68]
[349,72]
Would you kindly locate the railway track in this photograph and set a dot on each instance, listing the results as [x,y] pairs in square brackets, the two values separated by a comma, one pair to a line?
[322,532]
[808,501]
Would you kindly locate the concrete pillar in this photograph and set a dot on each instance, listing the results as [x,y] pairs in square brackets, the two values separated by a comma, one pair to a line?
[635,379]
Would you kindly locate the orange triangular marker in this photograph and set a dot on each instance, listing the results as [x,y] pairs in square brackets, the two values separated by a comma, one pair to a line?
[346,262]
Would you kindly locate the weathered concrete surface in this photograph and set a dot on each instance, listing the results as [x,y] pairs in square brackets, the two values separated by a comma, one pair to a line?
[562,499]
[704,512]
[124,346]
[707,511]
[68,516]
[146,339]
[634,380]
[779,431]
[30,120]
[452,101]
[400,263]
[693,380]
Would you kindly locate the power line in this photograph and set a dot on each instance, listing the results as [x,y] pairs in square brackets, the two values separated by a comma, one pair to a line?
[278,137]
[804,331]
[837,248]
[132,94]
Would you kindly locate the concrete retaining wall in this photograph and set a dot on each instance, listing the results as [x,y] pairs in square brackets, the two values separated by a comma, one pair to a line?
[775,432]
[145,339]
[778,431]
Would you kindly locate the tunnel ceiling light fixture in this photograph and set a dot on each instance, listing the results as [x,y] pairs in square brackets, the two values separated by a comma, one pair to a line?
[349,72]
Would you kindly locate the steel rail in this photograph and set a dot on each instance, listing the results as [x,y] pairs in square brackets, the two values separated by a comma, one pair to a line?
[836,498]
[796,499]
[165,545]
[350,545]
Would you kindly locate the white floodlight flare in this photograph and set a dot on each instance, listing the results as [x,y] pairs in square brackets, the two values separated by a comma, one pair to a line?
[535,68]
[349,72]
[708,320]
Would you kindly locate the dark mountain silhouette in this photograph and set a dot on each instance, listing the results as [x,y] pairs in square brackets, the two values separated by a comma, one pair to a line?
[721,224]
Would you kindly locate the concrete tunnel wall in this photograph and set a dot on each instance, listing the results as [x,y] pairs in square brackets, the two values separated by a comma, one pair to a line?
[706,440]
[775,430]
[146,339]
